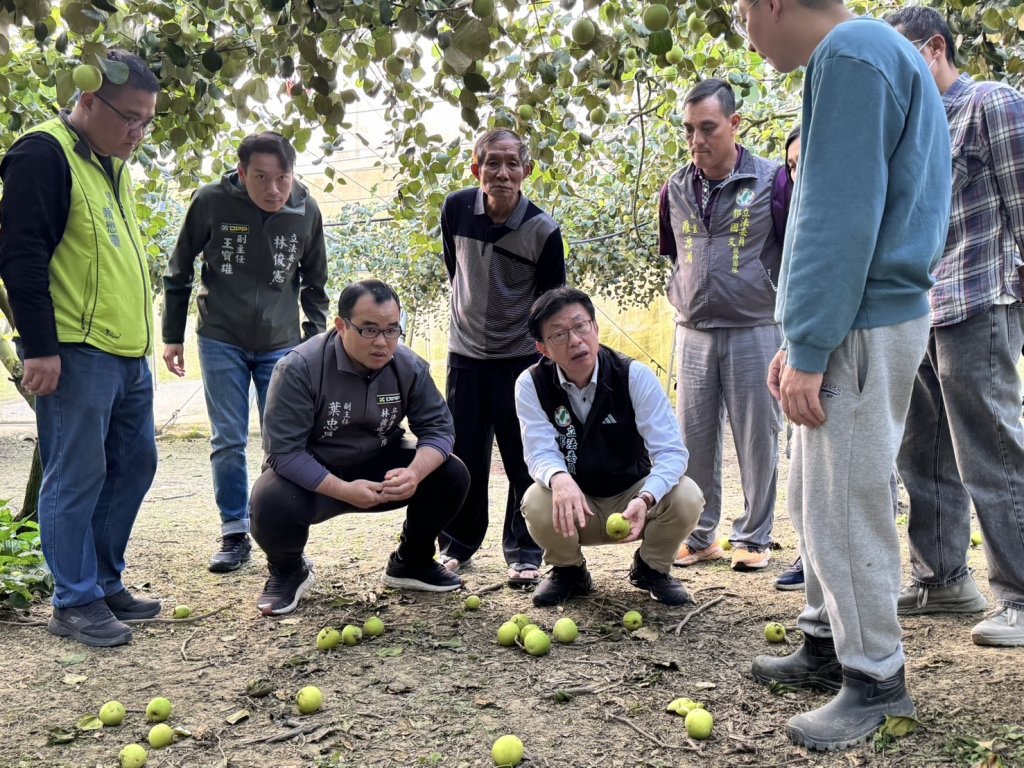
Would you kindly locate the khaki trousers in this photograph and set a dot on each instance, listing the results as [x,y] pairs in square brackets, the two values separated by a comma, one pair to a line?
[668,523]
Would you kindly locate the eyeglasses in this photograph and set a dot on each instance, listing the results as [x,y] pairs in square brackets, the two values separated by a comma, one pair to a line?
[373,333]
[739,22]
[581,329]
[923,43]
[131,123]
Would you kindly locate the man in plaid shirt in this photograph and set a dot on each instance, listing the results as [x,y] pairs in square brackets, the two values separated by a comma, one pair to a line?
[964,440]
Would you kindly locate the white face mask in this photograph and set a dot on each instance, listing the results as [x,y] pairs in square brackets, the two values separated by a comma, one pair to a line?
[920,49]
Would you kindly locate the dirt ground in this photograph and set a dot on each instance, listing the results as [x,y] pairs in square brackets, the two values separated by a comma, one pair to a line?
[436,689]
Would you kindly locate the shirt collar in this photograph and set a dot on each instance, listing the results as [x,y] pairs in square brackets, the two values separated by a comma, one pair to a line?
[564,383]
[956,90]
[699,174]
[514,219]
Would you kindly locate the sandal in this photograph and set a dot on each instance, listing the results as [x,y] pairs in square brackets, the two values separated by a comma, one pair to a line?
[453,564]
[518,575]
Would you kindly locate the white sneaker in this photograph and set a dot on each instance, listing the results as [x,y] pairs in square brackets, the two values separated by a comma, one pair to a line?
[1005,629]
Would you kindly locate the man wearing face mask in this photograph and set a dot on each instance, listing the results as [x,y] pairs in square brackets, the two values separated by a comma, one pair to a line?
[262,241]
[964,441]
[723,218]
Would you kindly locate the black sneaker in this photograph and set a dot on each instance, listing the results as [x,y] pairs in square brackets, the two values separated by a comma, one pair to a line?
[91,624]
[429,576]
[235,549]
[662,587]
[562,583]
[127,607]
[284,589]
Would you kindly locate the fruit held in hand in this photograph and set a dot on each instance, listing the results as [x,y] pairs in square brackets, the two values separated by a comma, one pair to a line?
[158,710]
[507,633]
[160,735]
[565,630]
[112,713]
[182,612]
[774,632]
[328,639]
[507,751]
[309,699]
[617,526]
[133,756]
[699,724]
[373,627]
[537,643]
[351,635]
[473,603]
[87,78]
[633,621]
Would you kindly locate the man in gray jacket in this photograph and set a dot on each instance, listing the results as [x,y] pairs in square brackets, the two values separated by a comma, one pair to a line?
[262,241]
[334,446]
[722,223]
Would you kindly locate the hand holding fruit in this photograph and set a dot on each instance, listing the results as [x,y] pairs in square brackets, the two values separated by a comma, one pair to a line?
[636,513]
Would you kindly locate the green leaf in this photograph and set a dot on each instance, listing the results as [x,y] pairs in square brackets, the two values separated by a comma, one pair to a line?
[476,83]
[898,727]
[472,38]
[59,736]
[386,653]
[89,723]
[660,42]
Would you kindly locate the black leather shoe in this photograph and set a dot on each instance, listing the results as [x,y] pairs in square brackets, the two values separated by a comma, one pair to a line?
[235,549]
[562,583]
[661,586]
[813,665]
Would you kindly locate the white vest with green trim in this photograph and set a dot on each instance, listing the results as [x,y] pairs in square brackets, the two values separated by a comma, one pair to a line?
[99,276]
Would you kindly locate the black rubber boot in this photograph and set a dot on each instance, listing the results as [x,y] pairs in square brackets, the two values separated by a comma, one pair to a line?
[854,714]
[813,665]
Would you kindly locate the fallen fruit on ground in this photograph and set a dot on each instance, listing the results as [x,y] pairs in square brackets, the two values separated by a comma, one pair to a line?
[133,756]
[521,620]
[525,632]
[507,751]
[182,612]
[699,724]
[351,635]
[976,539]
[584,32]
[632,620]
[507,633]
[328,638]
[683,706]
[774,632]
[158,710]
[725,543]
[309,699]
[373,627]
[565,630]
[473,603]
[112,713]
[87,78]
[537,643]
[160,735]
[616,526]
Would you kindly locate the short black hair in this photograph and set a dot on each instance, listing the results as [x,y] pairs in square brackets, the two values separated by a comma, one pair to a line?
[381,292]
[716,87]
[267,143]
[483,144]
[553,301]
[140,76]
[919,24]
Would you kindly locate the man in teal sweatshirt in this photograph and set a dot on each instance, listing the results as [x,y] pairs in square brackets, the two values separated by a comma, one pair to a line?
[867,224]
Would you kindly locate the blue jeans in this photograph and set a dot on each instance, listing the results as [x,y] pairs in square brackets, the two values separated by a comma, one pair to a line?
[98,451]
[964,443]
[227,371]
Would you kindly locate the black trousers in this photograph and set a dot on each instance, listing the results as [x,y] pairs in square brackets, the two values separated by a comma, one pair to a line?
[282,512]
[483,406]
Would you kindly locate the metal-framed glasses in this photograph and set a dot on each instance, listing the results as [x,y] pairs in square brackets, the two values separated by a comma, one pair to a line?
[131,123]
[373,333]
[739,21]
[581,329]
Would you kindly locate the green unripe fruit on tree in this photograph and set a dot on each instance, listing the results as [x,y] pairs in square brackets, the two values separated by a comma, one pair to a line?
[483,9]
[696,25]
[508,751]
[394,65]
[373,627]
[699,724]
[525,112]
[158,710]
[160,736]
[583,32]
[598,117]
[537,643]
[473,603]
[87,78]
[565,630]
[632,620]
[675,55]
[656,17]
[309,699]
[112,713]
[669,74]
[133,756]
[507,633]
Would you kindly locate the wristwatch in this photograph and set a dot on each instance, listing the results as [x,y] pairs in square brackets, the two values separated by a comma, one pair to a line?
[647,498]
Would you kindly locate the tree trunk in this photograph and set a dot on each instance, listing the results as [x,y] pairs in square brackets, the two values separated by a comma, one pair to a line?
[11,361]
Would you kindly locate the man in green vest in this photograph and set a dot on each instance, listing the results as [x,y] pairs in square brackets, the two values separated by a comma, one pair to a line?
[74,263]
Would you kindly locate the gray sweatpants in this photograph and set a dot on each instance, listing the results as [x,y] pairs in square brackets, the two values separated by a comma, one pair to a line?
[839,498]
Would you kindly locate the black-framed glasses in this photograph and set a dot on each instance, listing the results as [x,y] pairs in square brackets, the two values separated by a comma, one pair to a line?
[581,329]
[739,24]
[131,123]
[373,333]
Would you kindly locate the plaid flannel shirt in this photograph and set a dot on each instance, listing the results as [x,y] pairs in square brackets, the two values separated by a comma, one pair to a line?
[984,247]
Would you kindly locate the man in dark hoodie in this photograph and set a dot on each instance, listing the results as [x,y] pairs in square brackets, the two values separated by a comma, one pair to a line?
[262,241]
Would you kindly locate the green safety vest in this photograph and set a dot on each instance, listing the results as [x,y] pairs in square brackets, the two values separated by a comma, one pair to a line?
[99,275]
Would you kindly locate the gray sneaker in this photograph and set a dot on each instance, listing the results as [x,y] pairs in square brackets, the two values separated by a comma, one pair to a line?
[91,624]
[1005,629]
[962,597]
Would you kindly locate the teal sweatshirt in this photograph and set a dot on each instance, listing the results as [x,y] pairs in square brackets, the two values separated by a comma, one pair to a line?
[871,205]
